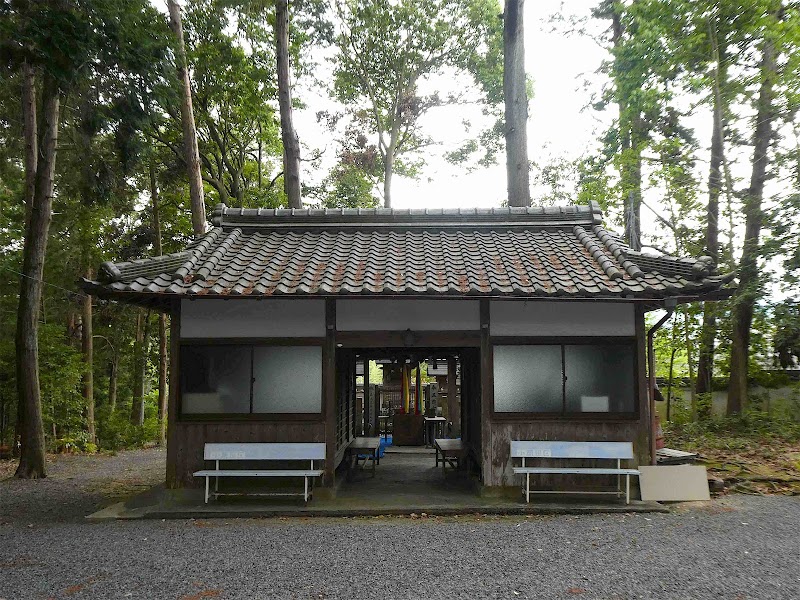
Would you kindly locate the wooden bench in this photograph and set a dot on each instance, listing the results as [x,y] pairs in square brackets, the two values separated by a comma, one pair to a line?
[618,451]
[260,452]
[452,452]
[369,447]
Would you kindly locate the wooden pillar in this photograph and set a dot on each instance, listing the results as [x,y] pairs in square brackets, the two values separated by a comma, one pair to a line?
[420,408]
[367,408]
[451,390]
[352,402]
[329,378]
[376,407]
[173,478]
[643,442]
[487,396]
[405,388]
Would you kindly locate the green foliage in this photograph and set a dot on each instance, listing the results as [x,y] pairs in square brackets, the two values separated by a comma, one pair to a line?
[787,335]
[387,51]
[79,442]
[349,187]
[232,80]
[748,426]
[116,432]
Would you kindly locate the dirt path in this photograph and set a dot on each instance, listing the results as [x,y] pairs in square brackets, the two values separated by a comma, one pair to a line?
[77,485]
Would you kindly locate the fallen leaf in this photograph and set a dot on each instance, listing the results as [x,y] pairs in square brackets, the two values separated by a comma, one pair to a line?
[203,594]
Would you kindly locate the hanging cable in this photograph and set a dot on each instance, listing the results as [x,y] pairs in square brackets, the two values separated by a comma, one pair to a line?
[52,285]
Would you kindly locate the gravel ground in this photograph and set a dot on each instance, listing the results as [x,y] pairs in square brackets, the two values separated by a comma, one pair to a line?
[738,547]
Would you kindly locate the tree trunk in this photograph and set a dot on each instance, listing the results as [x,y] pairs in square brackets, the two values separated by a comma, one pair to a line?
[632,184]
[87,347]
[162,378]
[162,319]
[690,363]
[388,171]
[260,156]
[32,454]
[745,298]
[30,134]
[29,130]
[190,148]
[291,143]
[516,105]
[113,376]
[632,132]
[137,403]
[705,362]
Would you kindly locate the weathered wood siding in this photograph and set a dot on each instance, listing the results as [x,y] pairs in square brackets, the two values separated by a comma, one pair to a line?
[498,432]
[186,438]
[185,447]
[499,471]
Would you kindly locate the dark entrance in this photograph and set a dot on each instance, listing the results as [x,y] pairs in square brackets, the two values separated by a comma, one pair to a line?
[441,383]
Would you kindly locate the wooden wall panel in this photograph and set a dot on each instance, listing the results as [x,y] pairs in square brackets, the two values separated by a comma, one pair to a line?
[499,470]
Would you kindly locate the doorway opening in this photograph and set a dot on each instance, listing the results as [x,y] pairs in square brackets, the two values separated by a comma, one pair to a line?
[423,406]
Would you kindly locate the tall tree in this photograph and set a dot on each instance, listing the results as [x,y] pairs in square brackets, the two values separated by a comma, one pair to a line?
[705,362]
[141,352]
[162,318]
[386,50]
[30,134]
[291,143]
[190,148]
[630,132]
[749,280]
[87,347]
[642,71]
[516,105]
[231,55]
[32,458]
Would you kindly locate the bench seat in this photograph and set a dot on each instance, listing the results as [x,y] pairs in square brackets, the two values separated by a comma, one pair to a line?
[259,473]
[537,450]
[281,453]
[574,471]
[452,451]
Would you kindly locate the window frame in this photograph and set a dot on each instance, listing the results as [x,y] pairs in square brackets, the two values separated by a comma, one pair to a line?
[631,341]
[252,343]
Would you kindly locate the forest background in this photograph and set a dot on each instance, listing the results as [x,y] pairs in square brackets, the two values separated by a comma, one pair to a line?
[679,117]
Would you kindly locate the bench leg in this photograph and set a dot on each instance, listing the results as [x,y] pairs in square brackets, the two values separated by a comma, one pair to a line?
[527,488]
[627,489]
[206,489]
[305,491]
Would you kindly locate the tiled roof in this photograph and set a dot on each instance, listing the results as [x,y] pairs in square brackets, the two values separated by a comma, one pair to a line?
[533,252]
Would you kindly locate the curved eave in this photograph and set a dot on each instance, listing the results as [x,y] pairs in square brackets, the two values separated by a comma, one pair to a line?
[163,301]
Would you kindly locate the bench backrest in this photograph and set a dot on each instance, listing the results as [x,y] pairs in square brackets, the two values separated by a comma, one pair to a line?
[260,451]
[615,450]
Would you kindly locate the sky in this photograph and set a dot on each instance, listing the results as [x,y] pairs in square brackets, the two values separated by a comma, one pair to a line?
[558,124]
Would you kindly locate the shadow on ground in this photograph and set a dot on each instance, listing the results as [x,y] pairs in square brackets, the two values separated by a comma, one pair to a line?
[403,483]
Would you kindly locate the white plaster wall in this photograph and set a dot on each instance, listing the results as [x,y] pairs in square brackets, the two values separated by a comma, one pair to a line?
[234,318]
[528,318]
[417,315]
